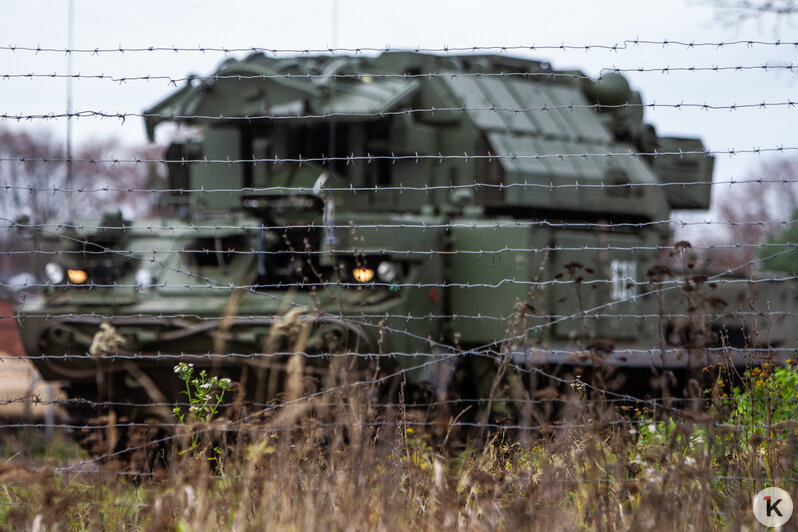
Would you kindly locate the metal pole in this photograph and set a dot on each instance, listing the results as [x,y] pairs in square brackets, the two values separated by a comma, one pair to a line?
[70,39]
[334,40]
[333,44]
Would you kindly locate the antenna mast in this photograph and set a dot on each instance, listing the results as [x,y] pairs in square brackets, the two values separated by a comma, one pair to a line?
[70,39]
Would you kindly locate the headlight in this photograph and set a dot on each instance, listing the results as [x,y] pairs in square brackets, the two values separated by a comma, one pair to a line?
[77,276]
[363,275]
[54,273]
[388,272]
[144,279]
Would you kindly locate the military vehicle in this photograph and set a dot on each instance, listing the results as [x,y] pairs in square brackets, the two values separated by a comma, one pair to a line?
[426,211]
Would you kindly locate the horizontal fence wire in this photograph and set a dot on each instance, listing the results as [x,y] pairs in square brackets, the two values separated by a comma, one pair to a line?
[399,188]
[488,317]
[622,45]
[482,224]
[762,105]
[174,81]
[215,285]
[34,399]
[384,251]
[755,353]
[375,424]
[417,157]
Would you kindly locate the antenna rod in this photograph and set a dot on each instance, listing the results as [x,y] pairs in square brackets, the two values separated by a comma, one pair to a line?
[334,39]
[333,44]
[70,39]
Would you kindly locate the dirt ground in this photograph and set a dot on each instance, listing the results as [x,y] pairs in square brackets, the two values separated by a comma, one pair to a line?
[20,384]
[21,387]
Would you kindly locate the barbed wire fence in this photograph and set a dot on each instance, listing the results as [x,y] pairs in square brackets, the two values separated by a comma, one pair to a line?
[210,304]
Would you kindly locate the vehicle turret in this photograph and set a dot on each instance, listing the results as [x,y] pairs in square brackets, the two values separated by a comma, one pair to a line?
[410,131]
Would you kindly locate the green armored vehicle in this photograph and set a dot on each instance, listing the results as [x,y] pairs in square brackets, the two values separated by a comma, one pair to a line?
[427,211]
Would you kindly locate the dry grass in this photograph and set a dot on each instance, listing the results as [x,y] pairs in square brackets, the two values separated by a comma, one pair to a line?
[608,469]
[339,462]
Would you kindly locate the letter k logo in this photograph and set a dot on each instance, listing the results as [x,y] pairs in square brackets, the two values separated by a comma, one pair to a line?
[771,507]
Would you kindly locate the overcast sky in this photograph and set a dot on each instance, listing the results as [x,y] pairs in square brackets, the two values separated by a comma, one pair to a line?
[410,23]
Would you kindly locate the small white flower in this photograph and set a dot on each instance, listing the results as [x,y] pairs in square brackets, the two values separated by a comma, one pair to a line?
[224,382]
[632,431]
[193,408]
[652,428]
[652,476]
[205,386]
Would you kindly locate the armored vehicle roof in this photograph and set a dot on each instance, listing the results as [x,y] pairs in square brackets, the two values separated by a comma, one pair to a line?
[364,88]
[541,127]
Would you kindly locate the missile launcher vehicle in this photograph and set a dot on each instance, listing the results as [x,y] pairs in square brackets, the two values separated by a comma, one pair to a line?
[389,215]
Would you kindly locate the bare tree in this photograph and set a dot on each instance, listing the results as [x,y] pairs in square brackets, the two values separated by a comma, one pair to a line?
[779,13]
[33,177]
[33,182]
[760,207]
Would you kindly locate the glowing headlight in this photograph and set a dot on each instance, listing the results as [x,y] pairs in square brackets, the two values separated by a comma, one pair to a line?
[77,276]
[388,272]
[54,273]
[363,275]
[144,279]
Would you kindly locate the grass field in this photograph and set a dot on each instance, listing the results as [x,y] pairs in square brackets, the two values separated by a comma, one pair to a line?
[601,466]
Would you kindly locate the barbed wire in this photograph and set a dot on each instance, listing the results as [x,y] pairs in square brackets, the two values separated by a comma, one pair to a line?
[422,317]
[620,46]
[409,423]
[364,250]
[123,116]
[417,157]
[401,187]
[483,224]
[176,80]
[755,353]
[217,285]
[36,400]
[521,479]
